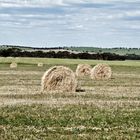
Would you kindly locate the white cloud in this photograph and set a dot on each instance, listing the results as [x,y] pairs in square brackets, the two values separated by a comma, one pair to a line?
[48,3]
[30,3]
[133,13]
[88,20]
[36,3]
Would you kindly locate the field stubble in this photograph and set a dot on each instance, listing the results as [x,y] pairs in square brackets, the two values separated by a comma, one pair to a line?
[108,109]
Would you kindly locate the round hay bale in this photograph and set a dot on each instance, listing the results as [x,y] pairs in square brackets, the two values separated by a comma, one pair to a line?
[13,65]
[9,57]
[101,72]
[40,64]
[83,70]
[59,78]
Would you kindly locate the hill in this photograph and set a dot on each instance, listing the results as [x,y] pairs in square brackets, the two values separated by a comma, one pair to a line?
[72,52]
[119,50]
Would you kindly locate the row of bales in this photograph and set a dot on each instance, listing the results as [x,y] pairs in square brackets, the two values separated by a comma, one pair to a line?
[61,78]
[14,65]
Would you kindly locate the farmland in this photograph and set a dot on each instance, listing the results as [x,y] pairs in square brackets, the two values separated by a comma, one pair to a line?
[108,109]
[120,51]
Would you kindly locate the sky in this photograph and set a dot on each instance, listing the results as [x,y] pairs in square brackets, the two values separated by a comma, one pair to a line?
[52,23]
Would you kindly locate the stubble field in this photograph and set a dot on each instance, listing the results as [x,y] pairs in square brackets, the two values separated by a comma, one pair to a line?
[108,109]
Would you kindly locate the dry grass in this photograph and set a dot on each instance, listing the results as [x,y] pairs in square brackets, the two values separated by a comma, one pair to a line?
[107,109]
[25,85]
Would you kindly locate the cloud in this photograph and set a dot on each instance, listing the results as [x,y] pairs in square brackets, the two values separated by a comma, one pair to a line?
[37,3]
[56,10]
[93,19]
[30,3]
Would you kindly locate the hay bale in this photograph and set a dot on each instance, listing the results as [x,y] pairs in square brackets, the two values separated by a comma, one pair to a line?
[10,57]
[59,78]
[40,64]
[13,65]
[101,72]
[83,70]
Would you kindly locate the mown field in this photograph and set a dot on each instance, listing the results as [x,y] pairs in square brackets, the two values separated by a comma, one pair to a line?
[106,110]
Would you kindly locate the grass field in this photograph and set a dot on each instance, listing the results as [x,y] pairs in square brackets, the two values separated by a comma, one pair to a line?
[120,51]
[106,110]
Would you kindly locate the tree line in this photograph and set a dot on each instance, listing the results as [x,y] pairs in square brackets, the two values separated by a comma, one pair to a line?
[16,52]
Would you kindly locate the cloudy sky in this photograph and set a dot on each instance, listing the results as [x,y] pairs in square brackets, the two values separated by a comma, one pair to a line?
[99,23]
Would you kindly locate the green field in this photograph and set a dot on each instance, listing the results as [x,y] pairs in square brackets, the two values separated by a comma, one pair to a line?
[120,51]
[106,110]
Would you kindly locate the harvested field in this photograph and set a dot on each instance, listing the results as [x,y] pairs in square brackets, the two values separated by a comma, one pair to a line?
[108,109]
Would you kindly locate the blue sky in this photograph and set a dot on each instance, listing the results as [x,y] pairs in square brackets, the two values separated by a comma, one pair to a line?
[42,23]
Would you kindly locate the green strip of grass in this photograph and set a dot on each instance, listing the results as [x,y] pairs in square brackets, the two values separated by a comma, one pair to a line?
[55,61]
[40,115]
[69,122]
